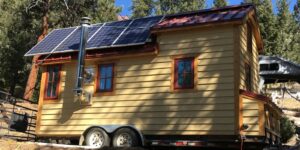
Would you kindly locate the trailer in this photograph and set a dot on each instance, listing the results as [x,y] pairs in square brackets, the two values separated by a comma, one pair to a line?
[189,80]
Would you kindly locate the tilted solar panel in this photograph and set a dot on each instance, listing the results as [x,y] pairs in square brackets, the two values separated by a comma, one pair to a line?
[104,38]
[133,35]
[138,31]
[121,24]
[118,33]
[72,43]
[51,41]
[146,22]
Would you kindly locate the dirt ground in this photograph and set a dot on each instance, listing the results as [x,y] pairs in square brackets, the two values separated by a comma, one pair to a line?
[7,144]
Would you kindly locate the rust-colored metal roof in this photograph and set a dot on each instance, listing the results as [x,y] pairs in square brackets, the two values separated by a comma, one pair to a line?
[213,15]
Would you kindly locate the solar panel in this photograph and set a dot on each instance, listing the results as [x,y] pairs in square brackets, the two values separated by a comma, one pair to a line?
[105,37]
[50,41]
[117,24]
[72,43]
[138,31]
[145,22]
[118,33]
[133,35]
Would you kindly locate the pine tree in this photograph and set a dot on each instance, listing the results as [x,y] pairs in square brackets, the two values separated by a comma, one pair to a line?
[219,3]
[17,38]
[103,10]
[142,8]
[21,24]
[295,48]
[285,27]
[177,6]
[267,24]
[296,13]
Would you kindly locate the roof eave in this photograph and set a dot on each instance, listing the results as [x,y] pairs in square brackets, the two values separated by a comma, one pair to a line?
[194,26]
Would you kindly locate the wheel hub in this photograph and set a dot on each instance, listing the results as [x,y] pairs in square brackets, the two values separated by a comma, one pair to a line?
[124,139]
[97,139]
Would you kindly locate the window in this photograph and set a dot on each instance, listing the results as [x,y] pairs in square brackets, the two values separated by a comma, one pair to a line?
[52,81]
[269,67]
[248,77]
[105,78]
[184,73]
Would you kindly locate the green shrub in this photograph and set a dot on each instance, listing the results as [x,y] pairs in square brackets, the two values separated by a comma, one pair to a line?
[287,129]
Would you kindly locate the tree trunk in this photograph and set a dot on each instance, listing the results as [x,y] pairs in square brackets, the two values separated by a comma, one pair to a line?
[30,86]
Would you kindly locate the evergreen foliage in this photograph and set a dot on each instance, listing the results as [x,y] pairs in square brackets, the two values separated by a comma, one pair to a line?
[177,6]
[219,3]
[295,48]
[21,23]
[142,8]
[284,25]
[287,129]
[267,23]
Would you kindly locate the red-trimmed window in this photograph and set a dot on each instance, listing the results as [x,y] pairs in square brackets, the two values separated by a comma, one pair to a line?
[105,78]
[184,73]
[248,77]
[52,81]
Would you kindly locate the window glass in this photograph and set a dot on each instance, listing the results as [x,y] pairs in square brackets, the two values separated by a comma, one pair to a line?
[184,73]
[52,81]
[105,78]
[269,67]
[274,66]
[263,67]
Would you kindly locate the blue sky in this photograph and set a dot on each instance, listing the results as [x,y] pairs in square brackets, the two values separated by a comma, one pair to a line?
[126,5]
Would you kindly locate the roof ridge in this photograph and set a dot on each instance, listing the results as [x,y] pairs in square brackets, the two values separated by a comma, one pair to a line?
[209,10]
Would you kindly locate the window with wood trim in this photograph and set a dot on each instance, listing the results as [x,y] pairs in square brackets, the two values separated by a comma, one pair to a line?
[184,73]
[52,81]
[105,78]
[248,76]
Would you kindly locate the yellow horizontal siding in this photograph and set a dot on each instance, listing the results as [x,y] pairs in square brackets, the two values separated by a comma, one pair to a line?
[252,59]
[250,112]
[184,114]
[145,127]
[141,109]
[150,121]
[143,94]
[157,132]
[145,102]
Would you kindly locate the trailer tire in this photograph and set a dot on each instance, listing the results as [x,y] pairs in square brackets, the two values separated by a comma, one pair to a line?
[97,137]
[125,137]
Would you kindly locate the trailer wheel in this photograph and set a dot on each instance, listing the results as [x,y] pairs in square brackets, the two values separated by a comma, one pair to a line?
[125,137]
[97,137]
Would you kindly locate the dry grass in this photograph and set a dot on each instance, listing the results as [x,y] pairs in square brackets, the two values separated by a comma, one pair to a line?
[7,144]
[289,104]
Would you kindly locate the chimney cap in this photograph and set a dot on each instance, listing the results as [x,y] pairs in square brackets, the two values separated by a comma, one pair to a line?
[85,20]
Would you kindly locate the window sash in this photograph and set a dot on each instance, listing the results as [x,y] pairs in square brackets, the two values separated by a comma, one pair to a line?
[52,82]
[105,78]
[184,77]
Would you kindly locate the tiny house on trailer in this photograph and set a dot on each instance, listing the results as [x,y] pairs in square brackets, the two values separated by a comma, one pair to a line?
[187,79]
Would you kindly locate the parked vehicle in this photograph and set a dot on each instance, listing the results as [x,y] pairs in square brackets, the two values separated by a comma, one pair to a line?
[187,79]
